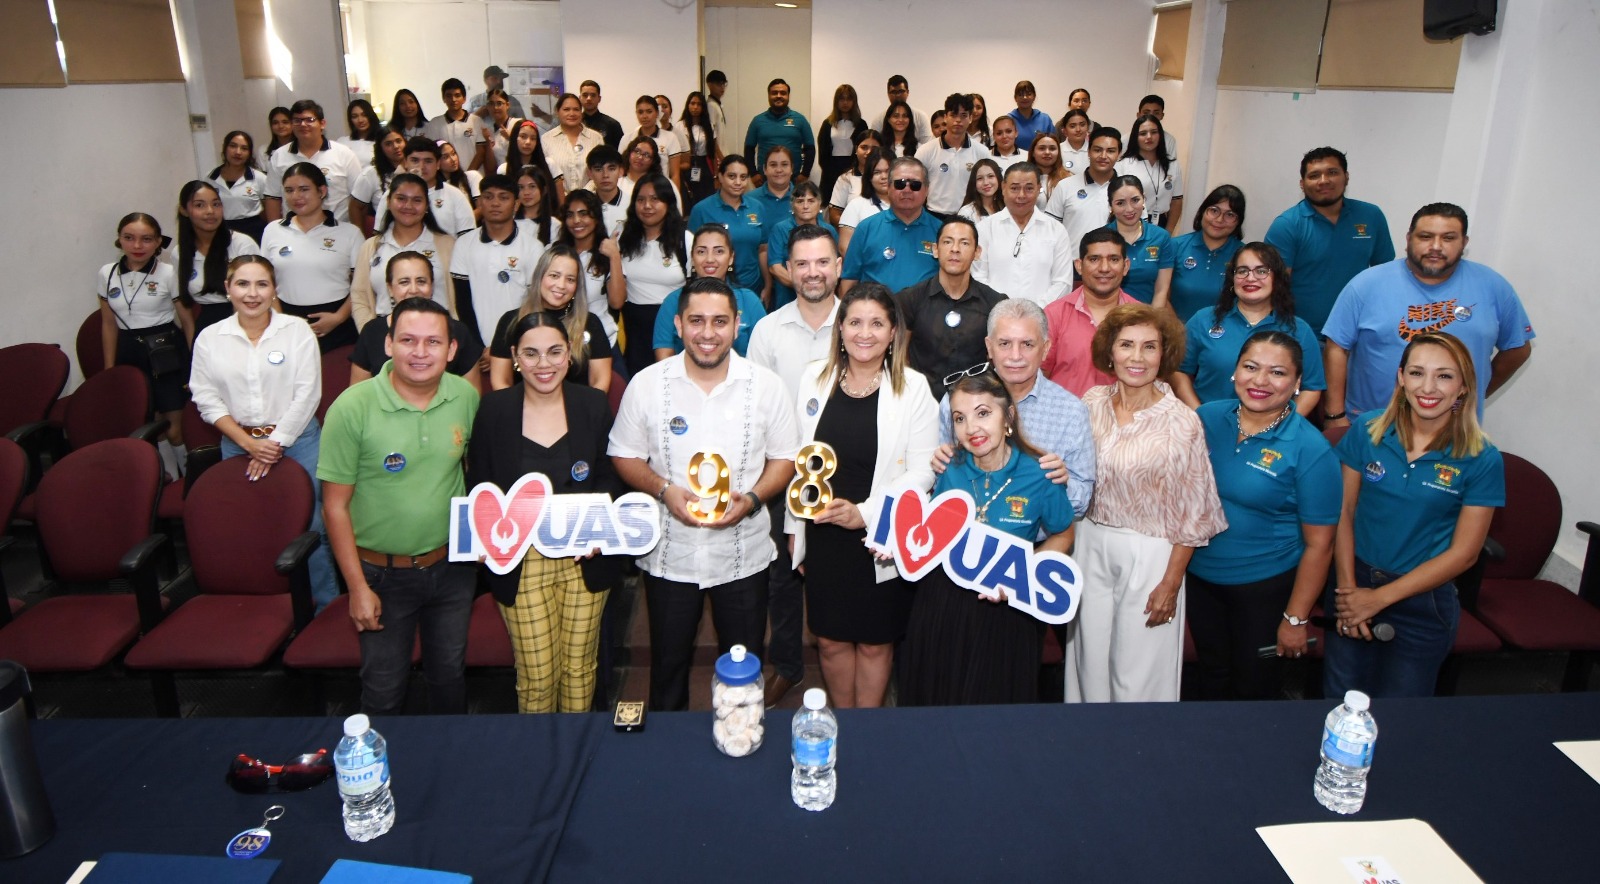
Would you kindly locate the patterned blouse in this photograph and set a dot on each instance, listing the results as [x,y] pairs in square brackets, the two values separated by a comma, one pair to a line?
[1153,475]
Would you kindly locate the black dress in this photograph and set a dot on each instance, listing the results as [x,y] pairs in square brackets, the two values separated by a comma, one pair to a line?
[844,601]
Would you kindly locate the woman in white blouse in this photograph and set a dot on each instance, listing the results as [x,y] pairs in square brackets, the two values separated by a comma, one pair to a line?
[567,146]
[257,378]
[655,258]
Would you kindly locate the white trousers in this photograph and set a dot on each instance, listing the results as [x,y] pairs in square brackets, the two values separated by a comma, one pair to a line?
[1111,655]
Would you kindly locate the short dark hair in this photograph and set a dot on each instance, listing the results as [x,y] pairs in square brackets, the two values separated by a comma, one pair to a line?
[1100,235]
[499,182]
[707,285]
[602,155]
[1323,153]
[306,104]
[963,220]
[804,188]
[806,232]
[1223,193]
[419,144]
[452,83]
[1154,99]
[646,100]
[716,77]
[1024,86]
[1277,338]
[589,83]
[956,102]
[1105,132]
[420,305]
[1440,210]
[898,80]
[407,255]
[778,81]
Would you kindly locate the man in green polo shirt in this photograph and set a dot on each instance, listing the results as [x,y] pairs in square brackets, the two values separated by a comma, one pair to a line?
[389,464]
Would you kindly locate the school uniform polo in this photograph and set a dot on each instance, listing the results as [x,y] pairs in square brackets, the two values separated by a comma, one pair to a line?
[887,250]
[404,462]
[948,171]
[1160,188]
[242,198]
[751,312]
[492,276]
[1198,272]
[361,148]
[238,244]
[141,298]
[1148,255]
[371,189]
[668,144]
[1383,308]
[773,208]
[312,268]
[778,252]
[596,295]
[1030,127]
[1025,501]
[1080,205]
[745,229]
[1031,262]
[1075,160]
[1212,350]
[1407,510]
[859,209]
[337,163]
[1006,161]
[789,129]
[464,134]
[1270,484]
[384,248]
[451,209]
[1325,256]
[654,273]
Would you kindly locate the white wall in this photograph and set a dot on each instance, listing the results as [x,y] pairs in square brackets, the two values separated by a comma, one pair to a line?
[631,48]
[950,46]
[753,47]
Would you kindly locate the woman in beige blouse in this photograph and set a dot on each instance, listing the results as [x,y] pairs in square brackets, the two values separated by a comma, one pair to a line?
[1155,500]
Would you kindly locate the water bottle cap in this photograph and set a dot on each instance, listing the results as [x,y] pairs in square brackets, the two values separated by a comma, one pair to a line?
[356,725]
[738,666]
[816,698]
[1358,701]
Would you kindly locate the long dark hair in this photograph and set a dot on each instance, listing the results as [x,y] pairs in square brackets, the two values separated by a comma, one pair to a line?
[544,212]
[428,220]
[273,143]
[599,264]
[374,125]
[512,153]
[250,167]
[214,272]
[398,123]
[989,384]
[380,160]
[880,154]
[909,140]
[631,242]
[703,120]
[975,199]
[1131,150]
[1282,295]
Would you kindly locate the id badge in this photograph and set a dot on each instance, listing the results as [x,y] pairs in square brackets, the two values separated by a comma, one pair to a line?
[694,174]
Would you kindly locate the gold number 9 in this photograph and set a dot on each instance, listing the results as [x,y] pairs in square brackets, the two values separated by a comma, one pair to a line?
[713,489]
[809,491]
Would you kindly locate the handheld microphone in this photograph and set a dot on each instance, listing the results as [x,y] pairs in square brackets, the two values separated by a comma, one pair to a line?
[1381,631]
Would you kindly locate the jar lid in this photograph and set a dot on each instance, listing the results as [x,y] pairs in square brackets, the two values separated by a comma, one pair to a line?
[738,666]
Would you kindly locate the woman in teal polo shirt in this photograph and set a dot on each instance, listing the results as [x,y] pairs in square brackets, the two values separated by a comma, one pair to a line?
[1257,298]
[737,211]
[1149,247]
[1200,257]
[1421,482]
[1254,585]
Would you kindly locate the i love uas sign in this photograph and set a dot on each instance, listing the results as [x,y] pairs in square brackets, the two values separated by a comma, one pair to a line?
[922,534]
[500,527]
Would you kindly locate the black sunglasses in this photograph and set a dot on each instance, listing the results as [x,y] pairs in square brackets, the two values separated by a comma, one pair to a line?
[903,183]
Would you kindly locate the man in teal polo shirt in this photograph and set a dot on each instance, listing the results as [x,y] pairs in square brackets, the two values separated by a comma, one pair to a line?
[895,248]
[1326,239]
[390,463]
[780,125]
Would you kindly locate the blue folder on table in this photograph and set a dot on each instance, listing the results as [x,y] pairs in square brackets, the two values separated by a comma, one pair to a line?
[161,868]
[349,871]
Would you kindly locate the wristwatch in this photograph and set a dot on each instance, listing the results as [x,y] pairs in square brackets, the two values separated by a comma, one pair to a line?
[1292,620]
[755,504]
[1334,417]
[661,496]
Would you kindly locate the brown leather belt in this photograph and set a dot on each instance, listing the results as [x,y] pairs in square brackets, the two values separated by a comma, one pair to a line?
[384,560]
[261,432]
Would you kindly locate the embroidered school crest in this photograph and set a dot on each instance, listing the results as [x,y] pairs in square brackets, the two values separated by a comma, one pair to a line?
[1268,457]
[438,202]
[1445,474]
[327,242]
[1017,505]
[511,262]
[1361,230]
[427,253]
[754,218]
[150,287]
[1153,251]
[927,247]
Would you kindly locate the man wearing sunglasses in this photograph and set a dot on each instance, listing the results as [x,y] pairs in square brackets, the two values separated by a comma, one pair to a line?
[946,313]
[895,248]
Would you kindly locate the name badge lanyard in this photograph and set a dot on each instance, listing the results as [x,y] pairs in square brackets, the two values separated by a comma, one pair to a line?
[128,295]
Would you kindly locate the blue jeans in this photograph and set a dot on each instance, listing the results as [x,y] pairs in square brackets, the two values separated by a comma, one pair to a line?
[1407,665]
[437,600]
[304,453]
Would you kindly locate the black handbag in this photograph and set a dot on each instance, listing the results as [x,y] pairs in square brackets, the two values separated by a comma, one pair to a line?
[165,351]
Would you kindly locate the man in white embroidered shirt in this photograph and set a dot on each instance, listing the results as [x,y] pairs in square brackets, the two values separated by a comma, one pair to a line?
[705,399]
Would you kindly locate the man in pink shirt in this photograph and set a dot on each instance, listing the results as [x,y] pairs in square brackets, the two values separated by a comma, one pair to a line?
[1102,263]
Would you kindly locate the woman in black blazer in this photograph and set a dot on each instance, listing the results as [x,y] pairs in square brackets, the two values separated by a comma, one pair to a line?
[551,607]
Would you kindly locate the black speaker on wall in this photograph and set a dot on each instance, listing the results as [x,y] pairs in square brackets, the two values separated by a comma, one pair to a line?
[1449,19]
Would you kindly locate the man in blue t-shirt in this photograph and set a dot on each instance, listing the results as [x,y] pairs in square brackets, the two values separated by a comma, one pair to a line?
[1432,290]
[1326,239]
[780,124]
[895,248]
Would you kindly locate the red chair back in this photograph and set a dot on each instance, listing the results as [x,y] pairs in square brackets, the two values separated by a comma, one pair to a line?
[13,478]
[35,375]
[1334,434]
[91,356]
[95,505]
[1528,525]
[109,405]
[614,395]
[196,432]
[236,528]
[335,376]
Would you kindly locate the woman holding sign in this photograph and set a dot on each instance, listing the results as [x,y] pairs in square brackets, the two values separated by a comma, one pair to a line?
[882,425]
[551,607]
[963,648]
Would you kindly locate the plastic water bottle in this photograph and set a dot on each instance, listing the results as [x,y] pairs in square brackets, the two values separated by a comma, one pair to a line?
[1347,740]
[814,750]
[361,763]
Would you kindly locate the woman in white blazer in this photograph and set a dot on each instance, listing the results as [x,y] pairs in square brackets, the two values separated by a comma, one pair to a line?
[881,421]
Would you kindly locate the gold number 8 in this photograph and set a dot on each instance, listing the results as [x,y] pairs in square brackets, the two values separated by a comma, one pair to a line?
[809,491]
[713,502]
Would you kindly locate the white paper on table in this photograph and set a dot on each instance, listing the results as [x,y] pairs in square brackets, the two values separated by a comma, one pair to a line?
[1585,754]
[1329,853]
[84,868]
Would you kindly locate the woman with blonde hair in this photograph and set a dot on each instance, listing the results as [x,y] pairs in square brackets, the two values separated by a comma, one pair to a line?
[556,291]
[1421,483]
[836,148]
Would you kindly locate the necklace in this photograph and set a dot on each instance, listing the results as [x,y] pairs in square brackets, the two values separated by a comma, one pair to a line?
[871,388]
[983,509]
[1282,416]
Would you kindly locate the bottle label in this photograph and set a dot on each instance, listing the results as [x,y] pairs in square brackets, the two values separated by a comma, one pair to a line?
[1350,753]
[813,753]
[361,780]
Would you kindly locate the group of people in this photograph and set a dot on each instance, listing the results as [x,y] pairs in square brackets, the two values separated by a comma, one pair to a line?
[1006,308]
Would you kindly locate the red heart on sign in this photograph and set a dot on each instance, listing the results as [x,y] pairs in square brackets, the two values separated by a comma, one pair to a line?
[921,540]
[504,524]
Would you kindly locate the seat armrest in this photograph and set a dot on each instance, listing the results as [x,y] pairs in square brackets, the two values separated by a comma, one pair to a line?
[292,562]
[151,432]
[1493,549]
[141,566]
[24,434]
[1589,583]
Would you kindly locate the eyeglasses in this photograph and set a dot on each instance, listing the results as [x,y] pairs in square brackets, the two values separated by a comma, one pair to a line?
[972,372]
[246,774]
[304,121]
[1259,272]
[903,183]
[1222,214]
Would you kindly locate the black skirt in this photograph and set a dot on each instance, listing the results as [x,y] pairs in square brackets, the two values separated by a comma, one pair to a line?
[961,649]
[342,334]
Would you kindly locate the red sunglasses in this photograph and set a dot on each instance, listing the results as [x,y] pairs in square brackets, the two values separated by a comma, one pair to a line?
[246,774]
